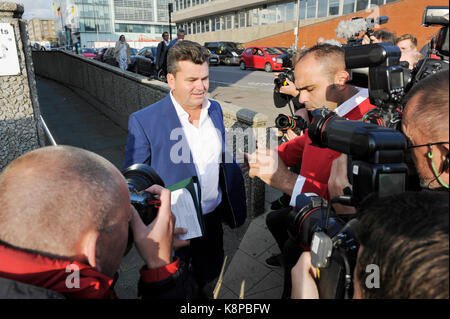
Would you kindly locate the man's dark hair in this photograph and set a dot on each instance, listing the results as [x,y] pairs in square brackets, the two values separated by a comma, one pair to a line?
[406,236]
[165,32]
[432,105]
[385,36]
[185,51]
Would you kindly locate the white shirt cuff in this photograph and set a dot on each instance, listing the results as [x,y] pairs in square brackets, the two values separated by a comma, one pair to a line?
[297,189]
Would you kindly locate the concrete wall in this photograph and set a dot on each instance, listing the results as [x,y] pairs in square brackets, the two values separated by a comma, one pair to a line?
[405,16]
[20,129]
[117,94]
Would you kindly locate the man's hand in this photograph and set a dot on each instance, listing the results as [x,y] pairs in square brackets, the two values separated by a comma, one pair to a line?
[338,181]
[303,275]
[270,168]
[289,89]
[154,242]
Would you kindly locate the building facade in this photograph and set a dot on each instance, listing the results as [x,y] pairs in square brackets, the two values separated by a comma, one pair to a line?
[95,21]
[248,20]
[40,30]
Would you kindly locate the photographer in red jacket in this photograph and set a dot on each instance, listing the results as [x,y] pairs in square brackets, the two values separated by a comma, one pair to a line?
[64,225]
[321,78]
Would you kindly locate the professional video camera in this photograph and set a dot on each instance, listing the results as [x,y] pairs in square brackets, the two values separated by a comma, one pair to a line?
[378,167]
[433,15]
[387,80]
[351,29]
[139,177]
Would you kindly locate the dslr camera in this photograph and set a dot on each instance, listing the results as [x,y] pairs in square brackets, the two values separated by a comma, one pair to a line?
[377,167]
[280,100]
[139,177]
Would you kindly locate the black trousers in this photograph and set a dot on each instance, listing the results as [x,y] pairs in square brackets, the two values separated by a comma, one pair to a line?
[205,254]
[277,223]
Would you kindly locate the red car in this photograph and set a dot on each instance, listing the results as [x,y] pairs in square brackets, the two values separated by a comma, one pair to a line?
[88,53]
[261,58]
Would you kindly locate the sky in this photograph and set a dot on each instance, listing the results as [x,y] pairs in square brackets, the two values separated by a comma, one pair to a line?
[37,8]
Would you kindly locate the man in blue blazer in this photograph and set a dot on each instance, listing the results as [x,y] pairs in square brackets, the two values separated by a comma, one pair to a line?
[183,135]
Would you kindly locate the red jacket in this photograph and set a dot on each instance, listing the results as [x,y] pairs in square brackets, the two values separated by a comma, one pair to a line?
[316,162]
[36,270]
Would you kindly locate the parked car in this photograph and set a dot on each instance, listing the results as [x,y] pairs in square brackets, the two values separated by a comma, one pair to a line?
[88,53]
[100,54]
[108,57]
[213,59]
[144,62]
[228,52]
[261,58]
[286,56]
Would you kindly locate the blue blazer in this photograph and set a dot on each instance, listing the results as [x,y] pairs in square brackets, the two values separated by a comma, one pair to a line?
[149,142]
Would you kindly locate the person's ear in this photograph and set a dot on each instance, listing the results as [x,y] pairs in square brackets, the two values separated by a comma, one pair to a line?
[171,80]
[89,247]
[341,78]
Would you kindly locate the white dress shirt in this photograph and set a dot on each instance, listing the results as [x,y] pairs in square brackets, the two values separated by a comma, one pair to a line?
[206,149]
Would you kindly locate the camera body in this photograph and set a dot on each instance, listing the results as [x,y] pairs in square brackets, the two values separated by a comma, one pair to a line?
[281,100]
[378,167]
[139,177]
[295,123]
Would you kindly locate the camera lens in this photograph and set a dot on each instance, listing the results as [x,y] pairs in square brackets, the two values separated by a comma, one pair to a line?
[140,177]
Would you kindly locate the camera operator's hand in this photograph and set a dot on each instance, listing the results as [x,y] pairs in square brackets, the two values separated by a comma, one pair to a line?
[289,89]
[367,40]
[303,278]
[154,242]
[270,168]
[338,181]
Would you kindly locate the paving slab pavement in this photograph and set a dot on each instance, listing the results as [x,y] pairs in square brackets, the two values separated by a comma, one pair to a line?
[75,122]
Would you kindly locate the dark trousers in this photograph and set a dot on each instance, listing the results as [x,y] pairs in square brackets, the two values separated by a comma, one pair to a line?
[205,254]
[277,223]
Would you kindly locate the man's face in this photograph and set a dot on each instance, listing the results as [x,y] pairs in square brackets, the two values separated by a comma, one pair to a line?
[166,36]
[312,83]
[406,45]
[417,137]
[190,84]
[122,38]
[180,36]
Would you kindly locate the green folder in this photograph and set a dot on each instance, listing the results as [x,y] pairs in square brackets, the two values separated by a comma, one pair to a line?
[190,184]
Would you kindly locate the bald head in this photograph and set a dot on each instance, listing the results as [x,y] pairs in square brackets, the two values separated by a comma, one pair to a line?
[50,197]
[427,107]
[331,59]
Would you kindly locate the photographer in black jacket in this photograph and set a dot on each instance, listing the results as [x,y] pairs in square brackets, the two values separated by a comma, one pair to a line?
[64,226]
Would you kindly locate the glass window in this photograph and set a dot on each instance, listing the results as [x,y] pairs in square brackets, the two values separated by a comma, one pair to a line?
[361,4]
[217,23]
[236,21]
[333,8]
[349,6]
[302,9]
[213,25]
[311,9]
[198,26]
[242,19]
[389,1]
[228,21]
[322,9]
[376,2]
[206,24]
[290,10]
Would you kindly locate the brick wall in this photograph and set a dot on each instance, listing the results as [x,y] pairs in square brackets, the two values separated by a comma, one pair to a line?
[405,16]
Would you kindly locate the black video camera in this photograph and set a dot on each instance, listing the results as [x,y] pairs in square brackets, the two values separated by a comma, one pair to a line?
[139,177]
[378,167]
[433,15]
[387,80]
